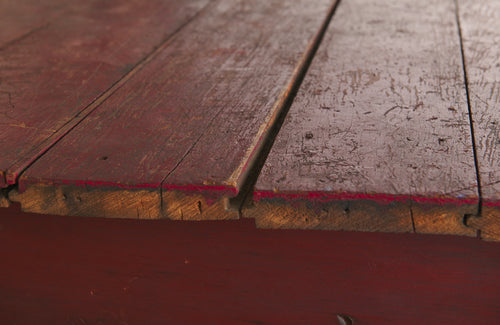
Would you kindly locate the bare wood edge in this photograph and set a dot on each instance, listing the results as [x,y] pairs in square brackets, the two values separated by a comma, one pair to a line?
[177,205]
[4,201]
[444,219]
[89,201]
[13,173]
[135,203]
[488,223]
[363,215]
[348,215]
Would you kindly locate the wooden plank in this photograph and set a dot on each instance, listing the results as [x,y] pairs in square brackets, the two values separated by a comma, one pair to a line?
[20,19]
[49,78]
[67,270]
[4,200]
[480,22]
[176,140]
[378,137]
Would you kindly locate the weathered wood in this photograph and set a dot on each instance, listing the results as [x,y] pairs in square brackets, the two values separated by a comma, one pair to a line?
[49,78]
[69,270]
[480,25]
[82,201]
[189,122]
[4,201]
[20,19]
[378,137]
[488,223]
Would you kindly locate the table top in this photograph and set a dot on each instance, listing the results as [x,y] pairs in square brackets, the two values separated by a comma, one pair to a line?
[342,115]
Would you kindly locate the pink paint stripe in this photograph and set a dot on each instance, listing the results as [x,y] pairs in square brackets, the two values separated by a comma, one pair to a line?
[202,188]
[381,198]
[11,178]
[494,204]
[219,190]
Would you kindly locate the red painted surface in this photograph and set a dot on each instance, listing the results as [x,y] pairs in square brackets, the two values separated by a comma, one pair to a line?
[480,31]
[52,75]
[371,115]
[67,270]
[190,116]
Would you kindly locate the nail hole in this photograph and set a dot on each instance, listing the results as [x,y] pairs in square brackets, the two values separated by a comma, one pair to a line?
[103,158]
[199,206]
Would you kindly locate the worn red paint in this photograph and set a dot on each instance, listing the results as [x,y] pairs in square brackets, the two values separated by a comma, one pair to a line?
[212,193]
[69,270]
[181,119]
[68,64]
[491,203]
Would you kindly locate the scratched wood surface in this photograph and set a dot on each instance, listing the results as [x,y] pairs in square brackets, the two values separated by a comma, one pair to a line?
[76,271]
[49,76]
[378,137]
[19,19]
[175,139]
[480,22]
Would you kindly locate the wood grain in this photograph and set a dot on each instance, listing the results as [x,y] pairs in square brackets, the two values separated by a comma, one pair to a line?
[70,270]
[20,19]
[4,200]
[488,223]
[378,137]
[189,121]
[480,23]
[49,77]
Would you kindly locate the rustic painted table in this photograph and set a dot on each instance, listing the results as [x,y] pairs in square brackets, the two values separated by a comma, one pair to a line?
[351,115]
[347,116]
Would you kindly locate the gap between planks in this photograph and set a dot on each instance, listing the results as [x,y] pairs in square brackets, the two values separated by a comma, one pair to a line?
[20,166]
[255,155]
[478,34]
[471,118]
[259,152]
[476,206]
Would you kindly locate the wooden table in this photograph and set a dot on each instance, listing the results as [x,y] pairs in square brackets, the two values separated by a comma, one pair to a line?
[387,112]
[61,270]
[351,115]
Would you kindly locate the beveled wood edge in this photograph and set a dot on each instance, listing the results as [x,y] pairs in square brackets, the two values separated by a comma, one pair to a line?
[132,203]
[364,215]
[488,222]
[4,201]
[423,216]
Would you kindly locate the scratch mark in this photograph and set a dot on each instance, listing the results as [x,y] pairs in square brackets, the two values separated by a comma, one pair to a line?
[23,125]
[393,108]
[24,36]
